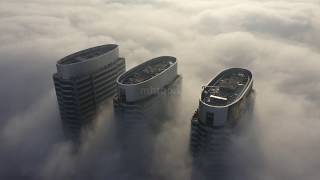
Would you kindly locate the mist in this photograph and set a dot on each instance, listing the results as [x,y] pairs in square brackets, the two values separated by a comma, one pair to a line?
[277,40]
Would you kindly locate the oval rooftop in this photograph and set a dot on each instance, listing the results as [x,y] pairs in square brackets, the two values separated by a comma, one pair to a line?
[147,70]
[87,54]
[227,87]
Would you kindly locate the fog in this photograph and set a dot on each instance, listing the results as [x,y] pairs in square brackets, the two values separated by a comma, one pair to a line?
[277,40]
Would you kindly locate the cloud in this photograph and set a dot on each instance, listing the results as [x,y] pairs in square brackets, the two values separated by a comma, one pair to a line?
[27,138]
[278,41]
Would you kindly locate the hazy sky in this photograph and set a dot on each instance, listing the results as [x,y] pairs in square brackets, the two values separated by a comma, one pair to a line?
[279,41]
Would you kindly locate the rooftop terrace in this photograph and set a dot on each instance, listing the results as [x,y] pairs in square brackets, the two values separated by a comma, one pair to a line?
[147,70]
[226,88]
[87,54]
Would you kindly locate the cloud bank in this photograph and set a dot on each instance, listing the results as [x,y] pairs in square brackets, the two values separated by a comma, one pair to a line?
[277,40]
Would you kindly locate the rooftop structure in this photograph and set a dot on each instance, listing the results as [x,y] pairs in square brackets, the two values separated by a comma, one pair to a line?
[88,54]
[147,79]
[147,71]
[226,88]
[87,61]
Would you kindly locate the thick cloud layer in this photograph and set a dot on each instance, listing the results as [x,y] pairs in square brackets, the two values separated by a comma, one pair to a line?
[277,40]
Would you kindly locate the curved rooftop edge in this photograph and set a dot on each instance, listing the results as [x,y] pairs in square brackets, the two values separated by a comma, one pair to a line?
[87,61]
[87,54]
[247,87]
[147,78]
[165,60]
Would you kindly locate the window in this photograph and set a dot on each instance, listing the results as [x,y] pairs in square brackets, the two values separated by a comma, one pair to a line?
[122,95]
[210,119]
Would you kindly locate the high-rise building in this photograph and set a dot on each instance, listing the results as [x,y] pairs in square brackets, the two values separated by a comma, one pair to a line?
[141,108]
[223,100]
[83,81]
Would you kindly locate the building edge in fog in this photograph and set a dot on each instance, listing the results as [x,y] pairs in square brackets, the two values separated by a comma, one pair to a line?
[222,102]
[142,107]
[83,81]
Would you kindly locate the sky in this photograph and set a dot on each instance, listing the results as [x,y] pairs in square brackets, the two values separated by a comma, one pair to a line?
[278,41]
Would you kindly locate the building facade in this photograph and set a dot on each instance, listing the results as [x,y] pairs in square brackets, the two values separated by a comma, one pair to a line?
[83,81]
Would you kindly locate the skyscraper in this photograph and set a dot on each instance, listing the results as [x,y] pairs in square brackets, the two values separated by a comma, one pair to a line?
[83,81]
[223,100]
[141,107]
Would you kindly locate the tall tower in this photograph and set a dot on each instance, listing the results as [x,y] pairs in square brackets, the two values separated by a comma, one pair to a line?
[83,81]
[222,103]
[141,107]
